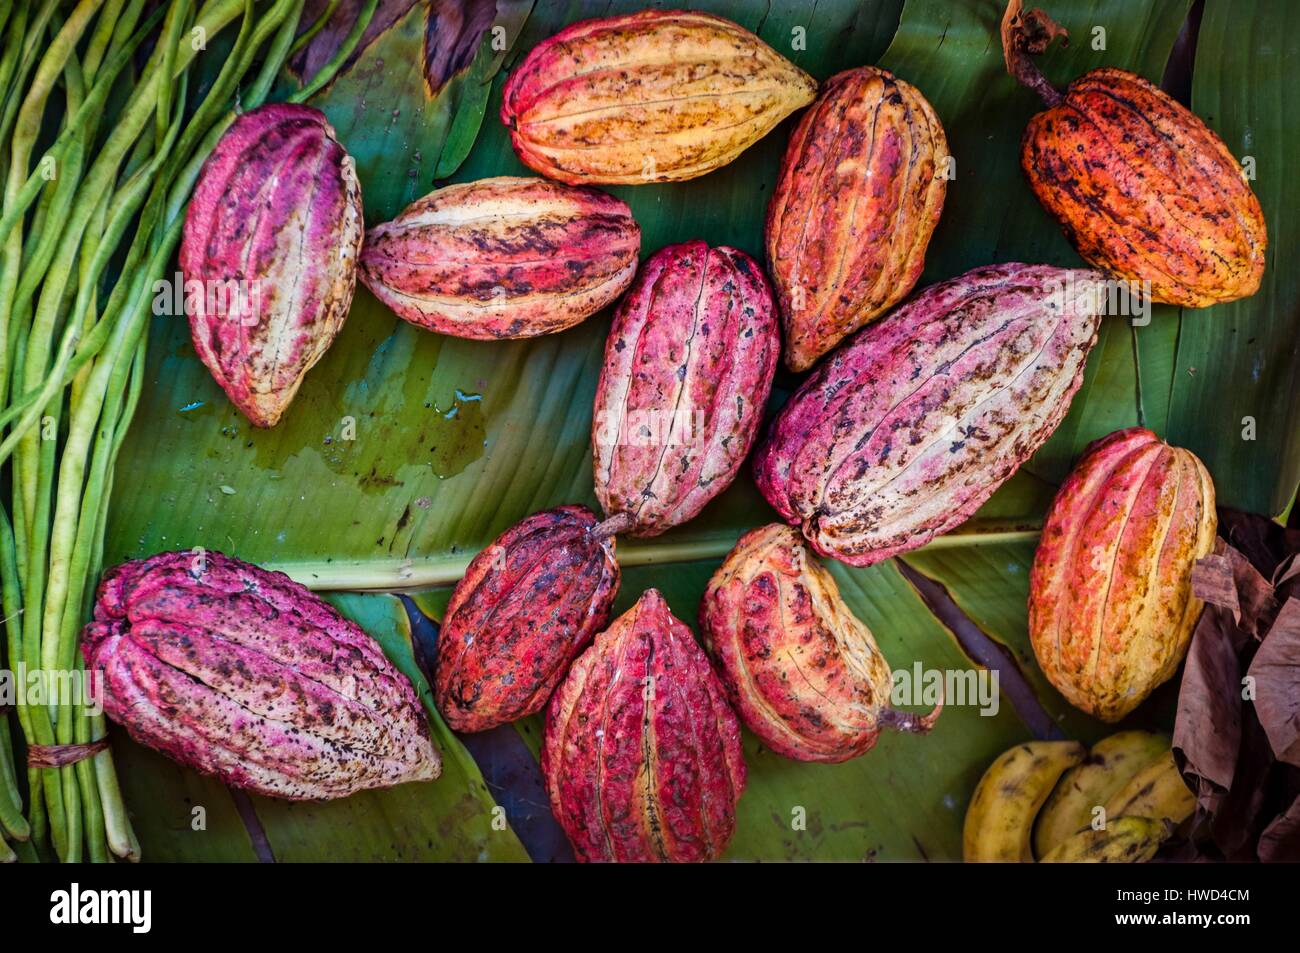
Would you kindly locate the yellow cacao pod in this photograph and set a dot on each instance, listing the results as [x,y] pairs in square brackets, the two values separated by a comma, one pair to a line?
[655,96]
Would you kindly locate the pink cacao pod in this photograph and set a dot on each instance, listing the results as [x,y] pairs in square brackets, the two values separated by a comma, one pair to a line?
[527,605]
[909,426]
[271,238]
[1111,609]
[860,192]
[688,368]
[503,257]
[244,674]
[642,755]
[802,671]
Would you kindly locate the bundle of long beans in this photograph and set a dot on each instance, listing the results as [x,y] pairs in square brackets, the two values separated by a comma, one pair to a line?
[99,150]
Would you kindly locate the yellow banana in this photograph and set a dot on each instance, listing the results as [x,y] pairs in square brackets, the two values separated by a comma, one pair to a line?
[1000,818]
[1110,765]
[1156,791]
[1124,840]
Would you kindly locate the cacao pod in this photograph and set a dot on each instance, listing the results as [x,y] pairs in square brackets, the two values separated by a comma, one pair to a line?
[688,368]
[1141,186]
[270,246]
[910,425]
[244,674]
[799,667]
[527,605]
[655,96]
[503,257]
[860,192]
[642,755]
[1111,609]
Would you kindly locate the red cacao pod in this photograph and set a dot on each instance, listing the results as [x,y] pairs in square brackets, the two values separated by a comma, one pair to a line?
[271,239]
[802,671]
[642,755]
[688,368]
[860,191]
[241,673]
[1111,609]
[527,605]
[503,258]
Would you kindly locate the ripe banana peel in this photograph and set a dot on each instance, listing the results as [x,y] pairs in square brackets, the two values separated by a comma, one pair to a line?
[1110,765]
[1157,791]
[1000,818]
[1124,840]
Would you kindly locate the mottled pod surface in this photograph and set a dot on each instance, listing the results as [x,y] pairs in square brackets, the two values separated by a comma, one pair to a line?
[909,426]
[1111,609]
[861,189]
[269,254]
[1141,186]
[505,257]
[641,755]
[801,669]
[688,368]
[244,674]
[655,96]
[527,605]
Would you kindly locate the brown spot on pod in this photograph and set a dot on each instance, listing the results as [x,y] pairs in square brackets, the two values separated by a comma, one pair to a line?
[642,755]
[504,257]
[852,213]
[688,368]
[269,253]
[527,605]
[803,672]
[911,424]
[246,675]
[1111,609]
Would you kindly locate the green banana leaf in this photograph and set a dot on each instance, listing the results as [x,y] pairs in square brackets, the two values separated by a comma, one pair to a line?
[406,452]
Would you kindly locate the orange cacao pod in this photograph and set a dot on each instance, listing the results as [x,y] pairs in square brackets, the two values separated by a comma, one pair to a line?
[1141,186]
[1111,609]
[801,669]
[859,195]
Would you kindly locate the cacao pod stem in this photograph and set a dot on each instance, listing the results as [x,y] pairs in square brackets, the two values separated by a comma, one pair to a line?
[1025,35]
[618,523]
[910,721]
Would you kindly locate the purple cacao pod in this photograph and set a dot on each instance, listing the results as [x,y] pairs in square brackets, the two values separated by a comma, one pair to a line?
[907,428]
[269,254]
[244,674]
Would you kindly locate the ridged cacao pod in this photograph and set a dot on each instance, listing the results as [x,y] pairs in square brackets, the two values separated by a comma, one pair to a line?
[1141,186]
[688,368]
[271,238]
[1111,609]
[527,605]
[244,674]
[642,755]
[655,96]
[859,195]
[503,258]
[802,671]
[910,425]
